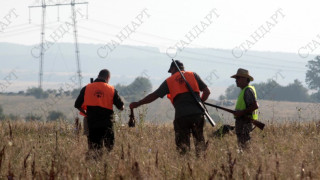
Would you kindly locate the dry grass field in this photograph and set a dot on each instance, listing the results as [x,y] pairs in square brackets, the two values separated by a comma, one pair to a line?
[54,151]
[161,110]
[288,148]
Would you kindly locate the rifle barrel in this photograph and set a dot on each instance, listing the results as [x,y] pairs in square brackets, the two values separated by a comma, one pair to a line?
[259,124]
[219,107]
[199,102]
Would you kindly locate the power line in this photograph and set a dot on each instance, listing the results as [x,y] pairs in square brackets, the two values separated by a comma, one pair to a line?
[129,39]
[221,57]
[195,53]
[23,31]
[196,45]
[256,65]
[43,6]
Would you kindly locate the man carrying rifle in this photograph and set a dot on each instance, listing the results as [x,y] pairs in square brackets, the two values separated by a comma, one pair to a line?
[189,116]
[246,107]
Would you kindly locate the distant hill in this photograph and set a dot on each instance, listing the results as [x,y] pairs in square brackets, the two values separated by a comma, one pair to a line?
[215,66]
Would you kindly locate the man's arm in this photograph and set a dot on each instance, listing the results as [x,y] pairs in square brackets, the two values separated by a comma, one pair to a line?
[203,87]
[79,101]
[248,110]
[117,101]
[160,92]
[148,99]
[205,94]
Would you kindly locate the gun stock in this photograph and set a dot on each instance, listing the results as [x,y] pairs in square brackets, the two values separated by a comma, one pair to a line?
[259,124]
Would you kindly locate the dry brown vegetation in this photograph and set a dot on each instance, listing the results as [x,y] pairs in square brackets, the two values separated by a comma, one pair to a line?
[288,148]
[55,151]
[161,110]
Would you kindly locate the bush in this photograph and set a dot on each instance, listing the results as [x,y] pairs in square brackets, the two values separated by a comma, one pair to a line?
[33,117]
[2,116]
[139,88]
[21,93]
[75,93]
[37,93]
[12,117]
[55,115]
[315,97]
[232,92]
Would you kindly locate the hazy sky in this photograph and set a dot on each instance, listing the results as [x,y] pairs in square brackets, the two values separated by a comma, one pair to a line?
[240,26]
[169,21]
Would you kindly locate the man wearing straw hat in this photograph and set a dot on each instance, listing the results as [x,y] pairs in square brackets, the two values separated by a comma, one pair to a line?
[246,107]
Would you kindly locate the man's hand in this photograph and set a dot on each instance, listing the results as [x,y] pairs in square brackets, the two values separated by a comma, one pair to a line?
[205,94]
[148,99]
[134,105]
[246,111]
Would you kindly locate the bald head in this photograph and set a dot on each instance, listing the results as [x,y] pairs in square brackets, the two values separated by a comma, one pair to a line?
[104,74]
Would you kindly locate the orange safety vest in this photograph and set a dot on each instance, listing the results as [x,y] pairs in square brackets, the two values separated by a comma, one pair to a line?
[98,94]
[177,85]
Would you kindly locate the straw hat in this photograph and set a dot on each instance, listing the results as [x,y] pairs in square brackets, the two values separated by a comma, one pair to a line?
[242,73]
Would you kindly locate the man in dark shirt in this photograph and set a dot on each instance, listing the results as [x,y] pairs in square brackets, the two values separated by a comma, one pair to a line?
[188,115]
[246,107]
[95,101]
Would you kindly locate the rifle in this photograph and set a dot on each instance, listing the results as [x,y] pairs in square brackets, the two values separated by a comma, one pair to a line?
[259,124]
[196,98]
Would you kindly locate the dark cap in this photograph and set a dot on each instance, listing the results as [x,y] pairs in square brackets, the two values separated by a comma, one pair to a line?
[180,65]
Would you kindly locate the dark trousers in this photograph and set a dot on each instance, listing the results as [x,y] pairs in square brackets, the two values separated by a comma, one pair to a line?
[243,129]
[101,137]
[183,127]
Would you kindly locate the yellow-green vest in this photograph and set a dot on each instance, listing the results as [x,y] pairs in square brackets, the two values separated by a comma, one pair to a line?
[241,105]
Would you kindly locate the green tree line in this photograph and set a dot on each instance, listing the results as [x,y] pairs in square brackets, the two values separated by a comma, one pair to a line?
[271,90]
[295,91]
[140,87]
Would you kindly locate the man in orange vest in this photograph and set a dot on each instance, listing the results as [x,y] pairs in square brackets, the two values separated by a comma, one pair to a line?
[188,115]
[96,101]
